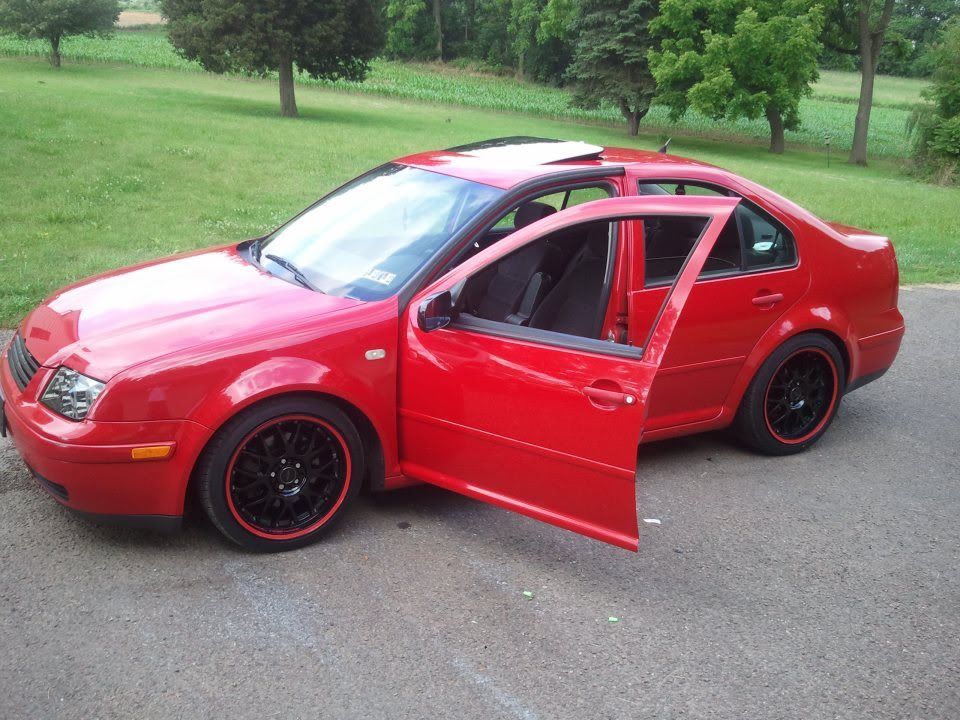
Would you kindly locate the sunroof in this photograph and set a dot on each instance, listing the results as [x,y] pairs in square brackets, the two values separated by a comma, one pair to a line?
[529,150]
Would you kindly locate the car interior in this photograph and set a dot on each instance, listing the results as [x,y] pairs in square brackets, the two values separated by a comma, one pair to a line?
[557,282]
[668,241]
[554,283]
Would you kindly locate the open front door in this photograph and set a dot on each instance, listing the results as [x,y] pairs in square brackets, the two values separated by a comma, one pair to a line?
[524,414]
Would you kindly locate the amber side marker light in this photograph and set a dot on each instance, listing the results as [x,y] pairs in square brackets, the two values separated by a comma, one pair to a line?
[152,452]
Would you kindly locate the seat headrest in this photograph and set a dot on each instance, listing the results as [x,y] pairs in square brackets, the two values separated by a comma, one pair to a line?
[530,212]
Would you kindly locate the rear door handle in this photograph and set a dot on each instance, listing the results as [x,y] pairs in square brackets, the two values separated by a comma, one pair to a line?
[768,299]
[609,397]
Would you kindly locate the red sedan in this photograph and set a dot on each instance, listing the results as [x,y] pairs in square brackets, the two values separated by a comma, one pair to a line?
[508,320]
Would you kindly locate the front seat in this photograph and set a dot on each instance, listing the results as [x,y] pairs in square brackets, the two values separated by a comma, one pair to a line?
[574,305]
[515,273]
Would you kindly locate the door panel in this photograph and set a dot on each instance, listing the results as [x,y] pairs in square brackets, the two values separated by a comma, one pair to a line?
[721,325]
[527,423]
[502,420]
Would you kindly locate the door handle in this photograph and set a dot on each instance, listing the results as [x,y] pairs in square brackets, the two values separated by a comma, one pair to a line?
[609,397]
[768,299]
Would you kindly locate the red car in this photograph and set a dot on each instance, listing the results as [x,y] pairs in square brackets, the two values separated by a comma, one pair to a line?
[508,320]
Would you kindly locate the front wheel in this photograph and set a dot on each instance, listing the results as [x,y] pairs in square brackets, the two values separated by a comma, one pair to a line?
[278,476]
[793,398]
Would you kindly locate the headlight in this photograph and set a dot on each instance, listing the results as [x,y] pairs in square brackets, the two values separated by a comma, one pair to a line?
[71,394]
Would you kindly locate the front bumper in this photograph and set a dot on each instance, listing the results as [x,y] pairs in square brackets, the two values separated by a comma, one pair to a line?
[87,466]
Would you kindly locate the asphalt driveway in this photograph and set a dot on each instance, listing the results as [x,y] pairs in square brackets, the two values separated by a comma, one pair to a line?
[819,586]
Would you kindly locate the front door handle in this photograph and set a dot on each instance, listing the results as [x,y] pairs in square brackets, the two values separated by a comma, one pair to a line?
[768,299]
[608,397]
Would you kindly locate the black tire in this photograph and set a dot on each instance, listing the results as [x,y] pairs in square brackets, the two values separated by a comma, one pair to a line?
[295,506]
[790,414]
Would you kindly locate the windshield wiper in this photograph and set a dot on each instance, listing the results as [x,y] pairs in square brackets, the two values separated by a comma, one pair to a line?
[297,273]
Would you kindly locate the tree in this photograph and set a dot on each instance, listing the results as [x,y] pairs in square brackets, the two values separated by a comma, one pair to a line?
[610,57]
[411,30]
[486,36]
[530,36]
[437,6]
[53,20]
[736,58]
[524,22]
[858,27]
[936,125]
[331,39]
[914,28]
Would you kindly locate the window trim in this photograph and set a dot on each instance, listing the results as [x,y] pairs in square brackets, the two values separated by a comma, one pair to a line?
[528,197]
[746,202]
[435,266]
[471,323]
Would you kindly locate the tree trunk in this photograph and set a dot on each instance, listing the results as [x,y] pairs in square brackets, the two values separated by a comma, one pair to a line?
[55,51]
[633,117]
[871,40]
[776,130]
[288,100]
[861,126]
[438,21]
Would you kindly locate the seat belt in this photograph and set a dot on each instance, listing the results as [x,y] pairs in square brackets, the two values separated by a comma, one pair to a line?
[536,290]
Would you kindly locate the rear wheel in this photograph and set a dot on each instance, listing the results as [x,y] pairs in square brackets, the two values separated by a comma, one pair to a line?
[280,474]
[793,398]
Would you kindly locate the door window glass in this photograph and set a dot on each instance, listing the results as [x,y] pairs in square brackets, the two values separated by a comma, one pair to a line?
[537,208]
[668,241]
[765,242]
[750,241]
[679,189]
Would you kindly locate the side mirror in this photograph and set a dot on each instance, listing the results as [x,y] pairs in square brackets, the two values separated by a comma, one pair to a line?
[435,312]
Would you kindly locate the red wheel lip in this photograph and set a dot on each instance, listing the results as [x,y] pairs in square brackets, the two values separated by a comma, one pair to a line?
[319,523]
[826,415]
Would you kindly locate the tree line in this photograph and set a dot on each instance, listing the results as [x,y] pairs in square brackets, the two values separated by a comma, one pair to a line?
[723,58]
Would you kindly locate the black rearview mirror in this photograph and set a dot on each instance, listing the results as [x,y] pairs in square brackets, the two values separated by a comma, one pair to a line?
[435,312]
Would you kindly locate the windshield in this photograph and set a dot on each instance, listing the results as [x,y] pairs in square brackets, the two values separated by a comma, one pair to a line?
[369,237]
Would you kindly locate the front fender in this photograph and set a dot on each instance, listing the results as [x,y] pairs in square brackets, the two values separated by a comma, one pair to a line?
[211,385]
[280,376]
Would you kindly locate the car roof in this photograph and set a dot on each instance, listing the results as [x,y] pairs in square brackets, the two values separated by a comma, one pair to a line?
[509,161]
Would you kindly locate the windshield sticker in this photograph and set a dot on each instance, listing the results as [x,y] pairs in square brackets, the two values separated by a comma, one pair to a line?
[380,276]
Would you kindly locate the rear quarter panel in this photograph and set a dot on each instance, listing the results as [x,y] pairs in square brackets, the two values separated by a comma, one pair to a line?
[853,293]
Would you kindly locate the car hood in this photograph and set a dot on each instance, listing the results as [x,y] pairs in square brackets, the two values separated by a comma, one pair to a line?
[107,324]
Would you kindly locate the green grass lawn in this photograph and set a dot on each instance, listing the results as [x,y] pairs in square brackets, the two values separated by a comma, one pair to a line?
[103,166]
[830,111]
[888,92]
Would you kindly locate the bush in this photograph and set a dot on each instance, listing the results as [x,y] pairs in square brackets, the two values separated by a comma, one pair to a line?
[935,125]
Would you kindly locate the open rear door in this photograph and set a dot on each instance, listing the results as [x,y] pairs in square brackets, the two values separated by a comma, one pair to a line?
[538,422]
